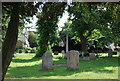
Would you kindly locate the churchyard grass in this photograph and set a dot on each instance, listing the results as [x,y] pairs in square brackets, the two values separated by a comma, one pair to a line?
[25,66]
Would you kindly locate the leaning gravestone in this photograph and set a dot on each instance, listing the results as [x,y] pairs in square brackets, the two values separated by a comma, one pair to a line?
[73,60]
[47,61]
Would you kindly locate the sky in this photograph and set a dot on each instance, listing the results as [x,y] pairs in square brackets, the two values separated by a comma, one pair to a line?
[63,20]
[32,24]
[60,23]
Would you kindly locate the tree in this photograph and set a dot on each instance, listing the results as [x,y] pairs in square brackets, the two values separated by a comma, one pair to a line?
[114,8]
[88,17]
[47,25]
[32,38]
[84,21]
[16,11]
[66,33]
[10,40]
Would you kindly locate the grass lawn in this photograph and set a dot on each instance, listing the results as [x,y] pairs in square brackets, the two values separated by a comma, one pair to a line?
[24,66]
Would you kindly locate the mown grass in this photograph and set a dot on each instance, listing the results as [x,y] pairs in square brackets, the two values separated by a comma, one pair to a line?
[24,66]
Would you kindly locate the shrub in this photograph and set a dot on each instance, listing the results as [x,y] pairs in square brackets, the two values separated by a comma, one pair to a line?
[40,51]
[20,51]
[55,52]
[86,55]
[32,38]
[80,55]
[27,48]
[33,50]
[26,51]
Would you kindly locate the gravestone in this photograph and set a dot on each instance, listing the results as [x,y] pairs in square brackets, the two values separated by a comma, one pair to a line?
[73,60]
[63,54]
[86,58]
[110,52]
[92,56]
[47,61]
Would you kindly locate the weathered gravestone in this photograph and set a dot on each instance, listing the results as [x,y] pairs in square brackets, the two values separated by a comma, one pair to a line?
[110,52]
[47,61]
[92,56]
[63,54]
[73,60]
[86,58]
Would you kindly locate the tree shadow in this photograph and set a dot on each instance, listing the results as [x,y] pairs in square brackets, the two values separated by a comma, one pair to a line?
[25,60]
[97,65]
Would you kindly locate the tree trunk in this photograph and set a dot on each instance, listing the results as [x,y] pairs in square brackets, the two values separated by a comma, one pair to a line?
[83,43]
[67,43]
[10,39]
[42,48]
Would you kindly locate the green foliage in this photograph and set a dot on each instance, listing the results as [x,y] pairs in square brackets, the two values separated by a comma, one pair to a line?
[19,50]
[33,50]
[26,50]
[29,50]
[55,52]
[85,18]
[87,54]
[40,50]
[47,25]
[5,21]
[110,30]
[27,9]
[66,30]
[32,38]
[115,9]
[96,21]
[95,35]
[54,40]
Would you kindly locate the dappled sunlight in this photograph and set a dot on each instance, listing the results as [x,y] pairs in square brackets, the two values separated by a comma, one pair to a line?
[106,54]
[73,40]
[25,64]
[29,67]
[21,60]
[24,55]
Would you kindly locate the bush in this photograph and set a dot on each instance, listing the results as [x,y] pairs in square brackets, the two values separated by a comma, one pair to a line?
[26,51]
[32,38]
[40,51]
[80,55]
[20,51]
[114,53]
[55,52]
[27,48]
[86,55]
[20,47]
[33,50]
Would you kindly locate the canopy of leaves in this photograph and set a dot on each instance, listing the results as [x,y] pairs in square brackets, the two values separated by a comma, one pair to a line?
[47,24]
[27,9]
[90,16]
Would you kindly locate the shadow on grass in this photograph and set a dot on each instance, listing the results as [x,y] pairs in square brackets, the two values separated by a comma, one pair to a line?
[97,65]
[25,60]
